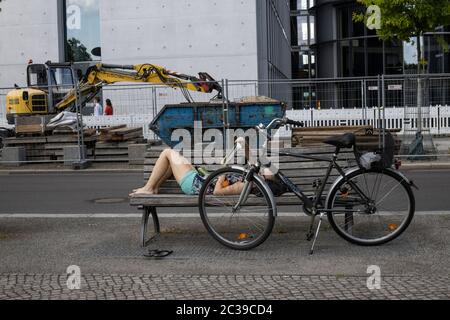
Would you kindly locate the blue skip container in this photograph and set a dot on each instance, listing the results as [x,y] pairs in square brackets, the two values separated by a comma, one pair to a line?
[240,116]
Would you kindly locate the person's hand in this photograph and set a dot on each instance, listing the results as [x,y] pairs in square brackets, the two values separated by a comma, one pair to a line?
[220,183]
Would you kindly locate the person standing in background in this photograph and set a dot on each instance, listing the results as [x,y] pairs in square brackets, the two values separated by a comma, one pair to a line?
[98,109]
[109,110]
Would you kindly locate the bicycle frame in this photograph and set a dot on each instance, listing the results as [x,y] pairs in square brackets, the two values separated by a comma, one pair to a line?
[314,205]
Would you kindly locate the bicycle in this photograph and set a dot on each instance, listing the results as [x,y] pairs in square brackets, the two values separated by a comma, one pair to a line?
[366,207]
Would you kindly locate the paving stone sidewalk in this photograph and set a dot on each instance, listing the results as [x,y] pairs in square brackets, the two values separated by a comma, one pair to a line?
[35,254]
[177,287]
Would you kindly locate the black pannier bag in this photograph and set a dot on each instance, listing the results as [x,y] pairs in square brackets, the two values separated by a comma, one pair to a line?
[379,153]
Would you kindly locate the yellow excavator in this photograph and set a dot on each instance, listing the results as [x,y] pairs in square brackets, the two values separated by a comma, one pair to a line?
[51,86]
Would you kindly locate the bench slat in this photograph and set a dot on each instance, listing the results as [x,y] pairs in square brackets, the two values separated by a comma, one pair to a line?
[182,201]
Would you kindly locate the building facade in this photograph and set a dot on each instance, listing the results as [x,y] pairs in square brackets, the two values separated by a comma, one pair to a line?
[327,43]
[233,39]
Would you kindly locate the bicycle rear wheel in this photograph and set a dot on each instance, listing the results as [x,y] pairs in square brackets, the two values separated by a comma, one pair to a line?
[242,228]
[380,216]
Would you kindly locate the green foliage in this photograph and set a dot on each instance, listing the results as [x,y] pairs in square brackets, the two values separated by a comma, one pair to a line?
[406,19]
[77,51]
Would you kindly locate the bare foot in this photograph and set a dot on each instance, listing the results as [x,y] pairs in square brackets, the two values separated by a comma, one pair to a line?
[156,191]
[144,191]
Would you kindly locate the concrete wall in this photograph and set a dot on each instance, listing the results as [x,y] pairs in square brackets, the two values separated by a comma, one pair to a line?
[274,48]
[228,39]
[187,36]
[28,30]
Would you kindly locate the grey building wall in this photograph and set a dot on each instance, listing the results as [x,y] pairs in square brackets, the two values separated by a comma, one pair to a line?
[274,48]
[218,37]
[28,30]
[232,39]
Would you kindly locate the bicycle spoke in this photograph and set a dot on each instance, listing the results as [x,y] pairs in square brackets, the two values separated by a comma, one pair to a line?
[388,194]
[243,227]
[377,221]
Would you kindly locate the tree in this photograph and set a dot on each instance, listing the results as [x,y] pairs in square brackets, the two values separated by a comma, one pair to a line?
[409,19]
[77,51]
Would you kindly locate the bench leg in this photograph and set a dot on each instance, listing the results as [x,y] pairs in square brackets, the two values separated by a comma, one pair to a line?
[144,226]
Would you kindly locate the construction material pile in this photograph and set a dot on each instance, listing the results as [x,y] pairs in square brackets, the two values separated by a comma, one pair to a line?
[50,148]
[367,137]
[120,133]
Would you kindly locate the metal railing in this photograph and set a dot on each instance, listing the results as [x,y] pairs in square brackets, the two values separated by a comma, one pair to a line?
[390,102]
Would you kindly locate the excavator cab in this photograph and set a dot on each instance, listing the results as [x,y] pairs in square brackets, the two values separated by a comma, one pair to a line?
[47,85]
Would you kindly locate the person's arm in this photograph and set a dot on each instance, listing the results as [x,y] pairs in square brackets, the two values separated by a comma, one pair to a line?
[268,175]
[233,190]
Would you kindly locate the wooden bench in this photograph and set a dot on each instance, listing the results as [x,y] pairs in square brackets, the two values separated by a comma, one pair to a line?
[302,172]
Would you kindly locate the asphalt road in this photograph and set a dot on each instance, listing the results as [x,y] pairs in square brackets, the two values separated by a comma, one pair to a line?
[107,193]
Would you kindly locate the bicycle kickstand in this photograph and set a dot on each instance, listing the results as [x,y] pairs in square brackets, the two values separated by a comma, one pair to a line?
[310,235]
[316,236]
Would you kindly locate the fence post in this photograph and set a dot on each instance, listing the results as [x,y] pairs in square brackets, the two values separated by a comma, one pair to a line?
[383,123]
[439,119]
[225,104]
[80,131]
[364,100]
[155,108]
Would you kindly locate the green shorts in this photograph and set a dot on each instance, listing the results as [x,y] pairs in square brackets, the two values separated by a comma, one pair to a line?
[191,183]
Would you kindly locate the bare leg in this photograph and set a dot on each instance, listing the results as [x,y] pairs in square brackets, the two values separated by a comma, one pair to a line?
[169,163]
[166,177]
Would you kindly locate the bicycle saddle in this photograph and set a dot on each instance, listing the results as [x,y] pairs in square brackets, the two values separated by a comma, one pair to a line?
[346,141]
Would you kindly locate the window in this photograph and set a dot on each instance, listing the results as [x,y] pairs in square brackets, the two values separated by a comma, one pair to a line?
[82,30]
[303,38]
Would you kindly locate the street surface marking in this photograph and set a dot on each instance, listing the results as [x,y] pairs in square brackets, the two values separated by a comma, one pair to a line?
[161,215]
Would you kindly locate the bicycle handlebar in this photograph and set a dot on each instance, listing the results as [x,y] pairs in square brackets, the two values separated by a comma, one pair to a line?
[281,122]
[295,123]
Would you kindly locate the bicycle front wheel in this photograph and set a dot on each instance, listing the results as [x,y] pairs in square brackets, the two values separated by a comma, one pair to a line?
[371,208]
[239,227]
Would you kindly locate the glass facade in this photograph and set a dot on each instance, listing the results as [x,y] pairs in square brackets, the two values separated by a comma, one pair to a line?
[361,52]
[327,43]
[82,34]
[336,41]
[303,38]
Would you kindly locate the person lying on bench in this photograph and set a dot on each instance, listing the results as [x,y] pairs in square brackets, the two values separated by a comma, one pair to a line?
[172,163]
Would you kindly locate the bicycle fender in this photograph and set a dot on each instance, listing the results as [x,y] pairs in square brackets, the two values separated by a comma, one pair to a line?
[266,188]
[339,180]
[407,180]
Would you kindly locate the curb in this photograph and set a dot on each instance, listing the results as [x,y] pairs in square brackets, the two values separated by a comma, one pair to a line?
[426,166]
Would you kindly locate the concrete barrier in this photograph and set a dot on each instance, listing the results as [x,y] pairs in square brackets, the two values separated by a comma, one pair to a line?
[14,156]
[72,154]
[136,154]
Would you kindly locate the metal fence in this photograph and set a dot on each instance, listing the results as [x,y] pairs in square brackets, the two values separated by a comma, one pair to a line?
[392,102]
[318,94]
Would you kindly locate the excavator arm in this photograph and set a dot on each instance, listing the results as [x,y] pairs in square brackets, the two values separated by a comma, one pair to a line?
[106,74]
